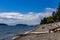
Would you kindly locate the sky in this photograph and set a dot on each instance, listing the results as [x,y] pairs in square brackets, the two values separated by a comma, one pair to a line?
[26,11]
[25,6]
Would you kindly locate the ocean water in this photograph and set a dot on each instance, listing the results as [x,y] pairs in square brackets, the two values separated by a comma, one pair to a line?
[7,32]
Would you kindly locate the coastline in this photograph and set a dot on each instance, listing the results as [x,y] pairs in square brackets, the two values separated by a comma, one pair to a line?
[27,32]
[39,33]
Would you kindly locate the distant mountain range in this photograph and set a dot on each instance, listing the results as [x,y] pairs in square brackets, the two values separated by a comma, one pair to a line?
[21,25]
[2,24]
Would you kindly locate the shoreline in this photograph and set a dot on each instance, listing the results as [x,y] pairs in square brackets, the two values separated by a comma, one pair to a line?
[27,32]
[37,31]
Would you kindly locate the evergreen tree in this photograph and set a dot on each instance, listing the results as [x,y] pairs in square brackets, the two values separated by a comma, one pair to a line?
[44,21]
[54,16]
[58,12]
[50,20]
[41,22]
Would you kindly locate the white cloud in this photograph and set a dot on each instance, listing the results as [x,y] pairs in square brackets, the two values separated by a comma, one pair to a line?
[30,18]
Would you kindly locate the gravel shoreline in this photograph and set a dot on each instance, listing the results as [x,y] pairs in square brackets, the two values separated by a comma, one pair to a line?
[36,35]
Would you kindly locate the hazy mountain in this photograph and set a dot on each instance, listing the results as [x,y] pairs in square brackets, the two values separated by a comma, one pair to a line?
[21,25]
[2,24]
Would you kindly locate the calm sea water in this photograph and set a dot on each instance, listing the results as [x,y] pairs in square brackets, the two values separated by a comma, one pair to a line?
[7,32]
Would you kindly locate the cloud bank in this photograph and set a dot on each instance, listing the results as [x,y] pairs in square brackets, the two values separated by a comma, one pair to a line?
[30,18]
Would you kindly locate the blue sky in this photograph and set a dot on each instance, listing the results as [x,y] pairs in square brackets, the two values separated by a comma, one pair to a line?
[25,6]
[26,11]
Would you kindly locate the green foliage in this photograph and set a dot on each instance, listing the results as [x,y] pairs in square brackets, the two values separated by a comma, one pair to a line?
[55,17]
[44,21]
[47,20]
[50,20]
[58,12]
